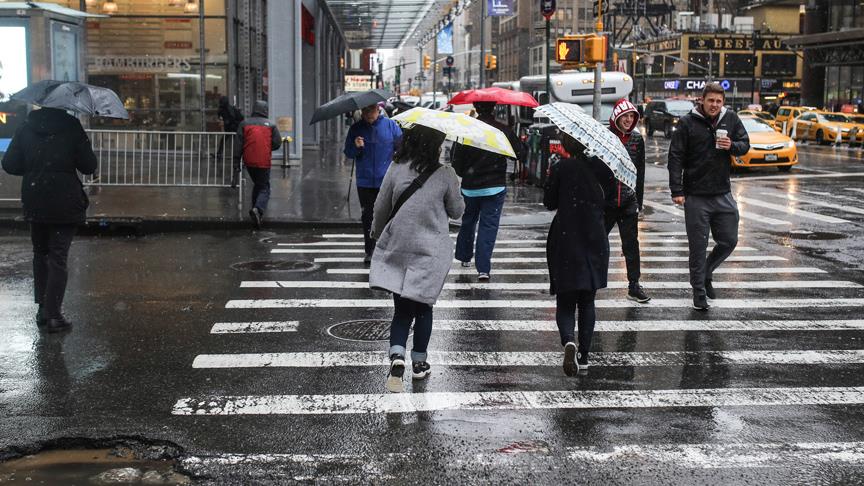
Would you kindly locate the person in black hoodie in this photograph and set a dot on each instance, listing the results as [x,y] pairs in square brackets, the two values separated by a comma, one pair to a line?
[48,150]
[699,179]
[484,187]
[623,204]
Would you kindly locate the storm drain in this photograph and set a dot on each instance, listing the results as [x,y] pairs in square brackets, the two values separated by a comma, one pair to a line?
[366,330]
[276,266]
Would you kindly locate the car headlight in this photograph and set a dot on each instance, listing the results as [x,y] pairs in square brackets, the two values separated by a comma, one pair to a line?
[790,144]
[845,130]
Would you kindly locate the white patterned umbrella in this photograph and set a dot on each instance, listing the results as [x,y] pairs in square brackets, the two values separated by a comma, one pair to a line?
[598,140]
[459,128]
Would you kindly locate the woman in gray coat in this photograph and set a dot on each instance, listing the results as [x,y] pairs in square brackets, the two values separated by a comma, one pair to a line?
[414,251]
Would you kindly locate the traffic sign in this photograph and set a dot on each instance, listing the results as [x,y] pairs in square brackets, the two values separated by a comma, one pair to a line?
[595,9]
[449,60]
[547,8]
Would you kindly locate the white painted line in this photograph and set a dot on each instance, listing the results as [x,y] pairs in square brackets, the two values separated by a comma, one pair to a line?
[653,326]
[769,284]
[454,235]
[253,327]
[721,456]
[664,207]
[614,248]
[773,303]
[743,214]
[331,359]
[790,210]
[854,189]
[733,258]
[658,271]
[612,237]
[516,400]
[799,176]
[816,202]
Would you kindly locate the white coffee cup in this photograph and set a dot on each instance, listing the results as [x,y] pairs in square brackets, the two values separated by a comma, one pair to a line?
[720,134]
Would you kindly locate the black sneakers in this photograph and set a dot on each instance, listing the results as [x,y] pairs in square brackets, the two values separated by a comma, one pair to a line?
[421,369]
[700,301]
[394,377]
[636,293]
[56,325]
[582,362]
[570,367]
[709,290]
[367,259]
[255,216]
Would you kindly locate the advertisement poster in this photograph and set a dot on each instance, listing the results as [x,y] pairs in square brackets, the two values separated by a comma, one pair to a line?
[499,8]
[13,78]
[358,82]
[445,40]
[64,52]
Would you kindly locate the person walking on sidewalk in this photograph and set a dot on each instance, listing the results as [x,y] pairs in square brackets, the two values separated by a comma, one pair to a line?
[577,248]
[484,179]
[699,180]
[48,150]
[623,204]
[371,142]
[257,138]
[414,252]
[231,117]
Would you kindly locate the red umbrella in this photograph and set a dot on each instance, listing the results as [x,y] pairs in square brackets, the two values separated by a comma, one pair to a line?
[494,95]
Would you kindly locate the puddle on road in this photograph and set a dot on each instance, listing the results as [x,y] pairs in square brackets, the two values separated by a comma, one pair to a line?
[90,466]
[276,266]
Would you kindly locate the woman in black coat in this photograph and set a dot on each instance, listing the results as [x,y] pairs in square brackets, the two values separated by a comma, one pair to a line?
[48,150]
[577,248]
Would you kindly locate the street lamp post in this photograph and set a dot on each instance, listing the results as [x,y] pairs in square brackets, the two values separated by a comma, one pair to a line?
[755,38]
[483,44]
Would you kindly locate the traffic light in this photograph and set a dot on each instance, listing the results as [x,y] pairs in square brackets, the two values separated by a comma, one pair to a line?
[594,49]
[491,62]
[598,5]
[568,50]
[427,61]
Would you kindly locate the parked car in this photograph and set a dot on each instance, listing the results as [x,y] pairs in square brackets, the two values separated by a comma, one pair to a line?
[762,115]
[787,114]
[768,148]
[663,115]
[822,127]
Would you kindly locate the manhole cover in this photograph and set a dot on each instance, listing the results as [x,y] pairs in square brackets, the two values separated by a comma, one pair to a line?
[365,330]
[276,266]
[816,235]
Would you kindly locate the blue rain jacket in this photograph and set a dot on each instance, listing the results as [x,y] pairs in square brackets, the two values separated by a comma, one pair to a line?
[381,139]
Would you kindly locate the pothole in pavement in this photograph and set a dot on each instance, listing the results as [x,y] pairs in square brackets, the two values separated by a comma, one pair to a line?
[114,465]
[276,266]
[367,330]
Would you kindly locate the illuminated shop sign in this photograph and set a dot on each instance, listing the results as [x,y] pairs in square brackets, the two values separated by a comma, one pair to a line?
[137,64]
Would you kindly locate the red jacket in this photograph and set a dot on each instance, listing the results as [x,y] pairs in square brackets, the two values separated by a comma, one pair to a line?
[257,138]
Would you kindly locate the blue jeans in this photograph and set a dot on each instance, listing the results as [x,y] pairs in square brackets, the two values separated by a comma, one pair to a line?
[406,312]
[260,188]
[486,211]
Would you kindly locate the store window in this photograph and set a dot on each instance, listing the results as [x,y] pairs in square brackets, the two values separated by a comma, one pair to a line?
[738,64]
[702,59]
[779,65]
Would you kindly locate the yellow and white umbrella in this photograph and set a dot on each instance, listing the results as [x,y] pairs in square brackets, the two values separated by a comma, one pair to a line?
[459,128]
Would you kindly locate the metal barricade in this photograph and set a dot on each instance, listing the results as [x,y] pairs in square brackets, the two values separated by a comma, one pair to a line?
[165,159]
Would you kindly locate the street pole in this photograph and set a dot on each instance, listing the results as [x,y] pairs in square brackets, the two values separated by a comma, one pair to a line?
[598,69]
[482,44]
[755,63]
[202,59]
[548,80]
[434,69]
[710,65]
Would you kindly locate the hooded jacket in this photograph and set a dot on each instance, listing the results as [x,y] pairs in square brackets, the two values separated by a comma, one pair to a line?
[48,150]
[696,167]
[257,138]
[481,169]
[229,114]
[380,141]
[623,197]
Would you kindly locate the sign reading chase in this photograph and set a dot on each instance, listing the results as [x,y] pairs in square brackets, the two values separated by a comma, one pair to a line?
[700,84]
[137,64]
[734,43]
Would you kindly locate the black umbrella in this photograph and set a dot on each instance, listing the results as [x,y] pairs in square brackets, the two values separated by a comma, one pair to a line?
[349,102]
[77,97]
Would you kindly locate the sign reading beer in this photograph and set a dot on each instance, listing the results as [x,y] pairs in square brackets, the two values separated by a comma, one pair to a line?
[734,43]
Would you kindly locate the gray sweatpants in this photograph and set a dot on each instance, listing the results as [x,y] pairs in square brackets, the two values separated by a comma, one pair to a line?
[718,214]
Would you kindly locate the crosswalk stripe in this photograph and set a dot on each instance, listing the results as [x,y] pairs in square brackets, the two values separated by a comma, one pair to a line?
[613,238]
[815,202]
[515,400]
[773,303]
[764,284]
[331,359]
[614,249]
[644,270]
[733,258]
[653,326]
[454,235]
[743,214]
[790,210]
[253,327]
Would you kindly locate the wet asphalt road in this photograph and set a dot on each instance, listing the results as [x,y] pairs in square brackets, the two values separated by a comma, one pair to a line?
[766,387]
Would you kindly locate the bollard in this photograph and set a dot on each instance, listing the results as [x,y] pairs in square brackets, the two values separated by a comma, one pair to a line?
[839,139]
[784,128]
[286,149]
[795,130]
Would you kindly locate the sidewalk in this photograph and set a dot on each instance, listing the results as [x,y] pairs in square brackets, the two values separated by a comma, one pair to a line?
[313,192]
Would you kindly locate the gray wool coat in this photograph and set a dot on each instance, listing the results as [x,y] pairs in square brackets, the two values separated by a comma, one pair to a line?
[414,251]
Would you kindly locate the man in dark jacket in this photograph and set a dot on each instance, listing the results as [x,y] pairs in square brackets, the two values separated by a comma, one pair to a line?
[484,179]
[48,150]
[231,117]
[699,179]
[371,142]
[623,204]
[257,138]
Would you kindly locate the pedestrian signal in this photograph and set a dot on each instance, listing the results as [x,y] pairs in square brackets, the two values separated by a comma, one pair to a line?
[595,49]
[427,61]
[568,51]
[491,62]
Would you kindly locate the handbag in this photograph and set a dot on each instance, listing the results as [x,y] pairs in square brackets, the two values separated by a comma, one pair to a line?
[416,184]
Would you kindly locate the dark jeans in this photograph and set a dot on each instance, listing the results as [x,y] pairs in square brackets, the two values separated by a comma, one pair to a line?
[367,197]
[628,228]
[486,211]
[565,316]
[719,215]
[408,311]
[261,187]
[51,244]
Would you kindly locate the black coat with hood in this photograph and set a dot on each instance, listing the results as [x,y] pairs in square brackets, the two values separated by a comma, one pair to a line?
[48,150]
[481,169]
[622,197]
[696,166]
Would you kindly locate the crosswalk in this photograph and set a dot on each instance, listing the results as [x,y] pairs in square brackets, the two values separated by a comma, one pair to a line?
[495,346]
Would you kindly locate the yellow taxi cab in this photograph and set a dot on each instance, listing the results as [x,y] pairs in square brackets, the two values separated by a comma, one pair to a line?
[762,115]
[858,130]
[822,126]
[768,148]
[787,114]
